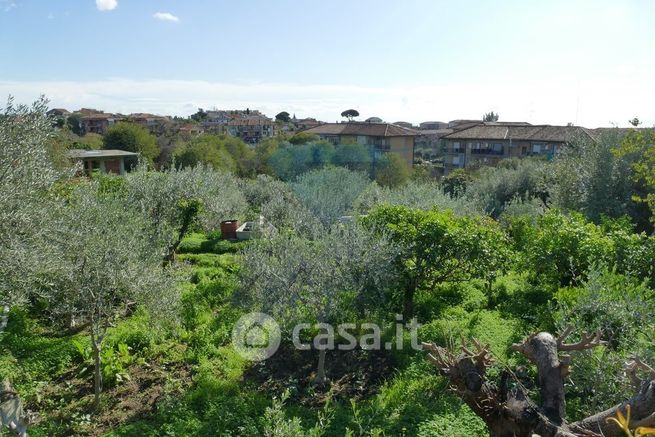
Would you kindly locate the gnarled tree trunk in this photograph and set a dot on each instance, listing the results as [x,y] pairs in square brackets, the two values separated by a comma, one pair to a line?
[511,413]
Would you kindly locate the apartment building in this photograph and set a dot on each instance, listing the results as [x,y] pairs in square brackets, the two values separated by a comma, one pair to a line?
[490,142]
[98,123]
[384,137]
[250,125]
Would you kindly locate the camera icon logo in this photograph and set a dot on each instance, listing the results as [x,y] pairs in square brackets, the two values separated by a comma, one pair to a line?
[256,336]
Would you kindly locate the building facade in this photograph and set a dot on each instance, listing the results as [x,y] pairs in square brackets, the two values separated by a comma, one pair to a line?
[384,137]
[106,161]
[490,142]
[250,125]
[98,123]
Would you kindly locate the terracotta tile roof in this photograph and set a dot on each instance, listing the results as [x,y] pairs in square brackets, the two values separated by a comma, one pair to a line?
[506,131]
[358,128]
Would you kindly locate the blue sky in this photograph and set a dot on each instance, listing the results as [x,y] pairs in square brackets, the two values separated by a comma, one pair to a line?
[589,62]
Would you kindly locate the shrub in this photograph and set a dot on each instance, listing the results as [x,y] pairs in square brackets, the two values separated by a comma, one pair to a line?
[330,193]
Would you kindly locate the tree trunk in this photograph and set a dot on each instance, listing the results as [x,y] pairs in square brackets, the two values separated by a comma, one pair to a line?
[408,300]
[4,319]
[510,413]
[320,369]
[97,380]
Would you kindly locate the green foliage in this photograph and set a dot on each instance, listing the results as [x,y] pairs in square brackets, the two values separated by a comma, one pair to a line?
[263,152]
[74,122]
[456,181]
[283,116]
[29,355]
[205,149]
[84,254]
[490,116]
[424,195]
[494,188]
[593,179]
[436,247]
[637,149]
[133,138]
[89,141]
[276,424]
[345,272]
[162,197]
[289,161]
[621,308]
[303,138]
[329,193]
[350,114]
[561,248]
[27,175]
[391,170]
[355,157]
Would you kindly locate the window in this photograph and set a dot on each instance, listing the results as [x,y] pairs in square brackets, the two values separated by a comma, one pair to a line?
[456,147]
[455,160]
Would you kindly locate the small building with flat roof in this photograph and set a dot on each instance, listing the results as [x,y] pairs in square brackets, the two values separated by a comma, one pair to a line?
[106,161]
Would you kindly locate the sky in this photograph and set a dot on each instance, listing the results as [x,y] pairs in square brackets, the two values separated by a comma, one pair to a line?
[591,63]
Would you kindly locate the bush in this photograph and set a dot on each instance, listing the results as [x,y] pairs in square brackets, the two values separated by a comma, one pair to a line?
[330,193]
[391,170]
[493,188]
[561,248]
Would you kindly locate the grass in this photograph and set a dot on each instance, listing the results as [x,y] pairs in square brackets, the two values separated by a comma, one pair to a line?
[190,381]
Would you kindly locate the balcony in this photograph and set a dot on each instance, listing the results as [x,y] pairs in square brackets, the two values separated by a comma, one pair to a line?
[490,152]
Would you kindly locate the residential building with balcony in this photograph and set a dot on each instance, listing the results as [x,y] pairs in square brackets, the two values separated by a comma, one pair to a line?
[384,137]
[490,142]
[98,123]
[250,125]
[250,130]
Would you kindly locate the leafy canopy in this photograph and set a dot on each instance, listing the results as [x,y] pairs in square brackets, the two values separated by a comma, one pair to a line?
[132,138]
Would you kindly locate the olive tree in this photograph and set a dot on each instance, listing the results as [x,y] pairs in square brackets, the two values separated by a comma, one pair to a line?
[26,177]
[274,200]
[493,188]
[331,192]
[591,178]
[177,199]
[346,272]
[424,195]
[105,262]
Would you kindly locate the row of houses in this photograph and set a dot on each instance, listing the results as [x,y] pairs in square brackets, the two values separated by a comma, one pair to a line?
[250,126]
[467,143]
[97,122]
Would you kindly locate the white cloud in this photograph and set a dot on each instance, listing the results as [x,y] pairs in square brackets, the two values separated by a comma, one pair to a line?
[166,16]
[555,101]
[9,5]
[106,5]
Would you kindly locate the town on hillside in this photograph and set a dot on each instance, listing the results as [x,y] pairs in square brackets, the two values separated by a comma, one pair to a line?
[434,146]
